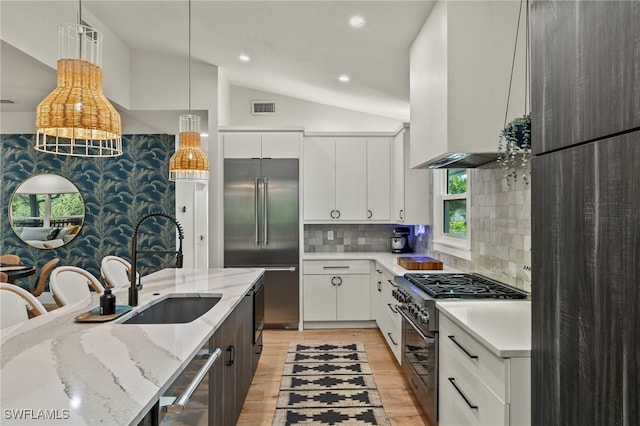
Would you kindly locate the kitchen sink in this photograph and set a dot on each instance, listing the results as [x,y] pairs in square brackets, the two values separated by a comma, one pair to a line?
[174,309]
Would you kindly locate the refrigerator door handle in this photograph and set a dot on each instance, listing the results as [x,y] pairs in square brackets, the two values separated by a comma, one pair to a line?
[256,212]
[284,269]
[265,203]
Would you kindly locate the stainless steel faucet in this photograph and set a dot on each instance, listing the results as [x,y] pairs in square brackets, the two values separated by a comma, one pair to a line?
[136,286]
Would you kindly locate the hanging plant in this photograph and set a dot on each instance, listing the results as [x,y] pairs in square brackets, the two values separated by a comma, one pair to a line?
[514,149]
[514,141]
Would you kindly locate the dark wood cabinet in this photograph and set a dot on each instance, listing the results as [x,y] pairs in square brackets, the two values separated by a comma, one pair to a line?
[585,71]
[233,373]
[586,297]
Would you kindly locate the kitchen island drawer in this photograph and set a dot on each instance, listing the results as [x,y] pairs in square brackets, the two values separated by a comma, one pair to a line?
[336,267]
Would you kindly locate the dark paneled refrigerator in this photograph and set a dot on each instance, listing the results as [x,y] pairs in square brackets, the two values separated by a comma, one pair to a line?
[585,199]
[262,230]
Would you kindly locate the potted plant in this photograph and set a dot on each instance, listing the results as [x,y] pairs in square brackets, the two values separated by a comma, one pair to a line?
[514,149]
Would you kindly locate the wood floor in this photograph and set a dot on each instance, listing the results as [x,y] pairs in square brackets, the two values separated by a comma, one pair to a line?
[397,400]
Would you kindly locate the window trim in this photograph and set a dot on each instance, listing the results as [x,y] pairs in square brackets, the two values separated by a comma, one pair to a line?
[445,243]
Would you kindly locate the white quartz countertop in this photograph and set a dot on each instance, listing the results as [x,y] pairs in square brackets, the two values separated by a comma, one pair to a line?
[108,373]
[503,326]
[388,260]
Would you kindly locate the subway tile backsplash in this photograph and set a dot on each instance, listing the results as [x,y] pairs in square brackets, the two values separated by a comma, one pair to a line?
[347,238]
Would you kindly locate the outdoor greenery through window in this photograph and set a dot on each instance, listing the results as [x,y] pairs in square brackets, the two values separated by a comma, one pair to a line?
[30,209]
[454,202]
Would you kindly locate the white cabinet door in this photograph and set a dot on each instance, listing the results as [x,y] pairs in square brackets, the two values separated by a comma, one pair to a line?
[351,178]
[397,212]
[242,145]
[378,178]
[376,295]
[281,144]
[353,298]
[319,298]
[319,178]
[414,206]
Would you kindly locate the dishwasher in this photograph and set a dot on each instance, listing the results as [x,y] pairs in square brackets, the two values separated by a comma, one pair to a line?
[186,400]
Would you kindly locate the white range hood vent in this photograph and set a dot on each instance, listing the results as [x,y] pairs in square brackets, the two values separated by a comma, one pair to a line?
[459,160]
[263,107]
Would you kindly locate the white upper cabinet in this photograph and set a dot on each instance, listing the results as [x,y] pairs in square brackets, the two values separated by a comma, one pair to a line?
[378,182]
[351,178]
[319,178]
[262,144]
[411,201]
[347,179]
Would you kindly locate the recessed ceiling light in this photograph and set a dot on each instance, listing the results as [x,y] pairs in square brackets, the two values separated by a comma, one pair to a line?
[357,21]
[204,135]
[244,58]
[344,78]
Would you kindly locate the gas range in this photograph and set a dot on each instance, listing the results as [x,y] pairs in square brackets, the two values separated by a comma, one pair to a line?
[418,292]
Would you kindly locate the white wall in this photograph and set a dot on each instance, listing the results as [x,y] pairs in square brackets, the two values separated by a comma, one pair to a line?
[312,116]
[224,98]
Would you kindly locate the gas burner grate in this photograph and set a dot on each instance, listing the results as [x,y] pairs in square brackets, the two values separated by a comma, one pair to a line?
[465,286]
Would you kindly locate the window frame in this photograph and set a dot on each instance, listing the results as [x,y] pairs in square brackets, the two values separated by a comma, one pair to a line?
[446,243]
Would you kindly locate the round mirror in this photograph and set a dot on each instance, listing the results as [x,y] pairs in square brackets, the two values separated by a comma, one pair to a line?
[46,211]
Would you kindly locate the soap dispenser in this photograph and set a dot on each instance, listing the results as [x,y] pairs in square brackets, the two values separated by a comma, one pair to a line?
[107,303]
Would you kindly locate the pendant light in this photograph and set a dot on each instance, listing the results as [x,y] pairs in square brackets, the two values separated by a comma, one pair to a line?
[76,118]
[189,163]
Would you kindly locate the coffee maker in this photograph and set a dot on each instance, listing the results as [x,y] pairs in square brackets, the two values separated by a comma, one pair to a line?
[400,240]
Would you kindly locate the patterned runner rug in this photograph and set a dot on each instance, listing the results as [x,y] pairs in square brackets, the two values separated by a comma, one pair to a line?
[328,384]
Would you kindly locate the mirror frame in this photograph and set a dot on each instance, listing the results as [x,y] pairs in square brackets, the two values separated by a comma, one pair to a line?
[55,242]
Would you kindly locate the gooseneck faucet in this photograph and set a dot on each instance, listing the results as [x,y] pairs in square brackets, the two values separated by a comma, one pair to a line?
[135,286]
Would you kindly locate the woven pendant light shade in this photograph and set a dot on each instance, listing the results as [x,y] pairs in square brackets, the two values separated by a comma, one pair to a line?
[189,163]
[76,118]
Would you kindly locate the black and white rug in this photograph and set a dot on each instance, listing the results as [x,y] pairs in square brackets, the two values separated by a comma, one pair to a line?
[328,384]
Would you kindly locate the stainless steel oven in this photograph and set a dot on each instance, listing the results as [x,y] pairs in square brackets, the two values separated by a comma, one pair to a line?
[420,361]
[417,294]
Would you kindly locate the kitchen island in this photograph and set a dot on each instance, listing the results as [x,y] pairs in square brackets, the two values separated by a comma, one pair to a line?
[56,371]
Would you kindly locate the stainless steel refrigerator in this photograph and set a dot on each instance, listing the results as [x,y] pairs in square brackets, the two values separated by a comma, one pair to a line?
[261,229]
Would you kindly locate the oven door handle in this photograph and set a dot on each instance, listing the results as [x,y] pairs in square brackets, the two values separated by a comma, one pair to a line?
[413,325]
[183,400]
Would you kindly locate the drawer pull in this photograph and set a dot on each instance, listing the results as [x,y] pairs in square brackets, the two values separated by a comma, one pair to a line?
[453,382]
[462,348]
[391,338]
[392,284]
[336,267]
[393,309]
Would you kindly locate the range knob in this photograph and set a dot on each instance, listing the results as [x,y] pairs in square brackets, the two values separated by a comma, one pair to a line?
[424,316]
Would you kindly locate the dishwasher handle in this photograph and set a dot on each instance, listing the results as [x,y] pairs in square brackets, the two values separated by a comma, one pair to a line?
[183,399]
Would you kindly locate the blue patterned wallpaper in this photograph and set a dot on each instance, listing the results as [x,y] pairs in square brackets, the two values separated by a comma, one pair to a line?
[117,191]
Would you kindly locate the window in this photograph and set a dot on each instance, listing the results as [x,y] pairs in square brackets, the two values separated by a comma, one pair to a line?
[451,195]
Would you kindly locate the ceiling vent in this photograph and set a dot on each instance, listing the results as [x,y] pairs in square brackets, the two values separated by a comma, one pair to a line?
[263,107]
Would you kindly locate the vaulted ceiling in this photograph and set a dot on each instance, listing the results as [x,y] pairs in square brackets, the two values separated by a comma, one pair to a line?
[297,48]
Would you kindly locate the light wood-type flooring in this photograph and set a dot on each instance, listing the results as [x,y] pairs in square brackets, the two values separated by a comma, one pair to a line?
[397,400]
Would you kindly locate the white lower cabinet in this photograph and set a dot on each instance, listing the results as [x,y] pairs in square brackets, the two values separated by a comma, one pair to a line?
[337,290]
[477,387]
[386,315]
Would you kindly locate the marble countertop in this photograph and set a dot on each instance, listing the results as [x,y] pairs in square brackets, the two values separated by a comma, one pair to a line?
[388,260]
[108,373]
[503,326]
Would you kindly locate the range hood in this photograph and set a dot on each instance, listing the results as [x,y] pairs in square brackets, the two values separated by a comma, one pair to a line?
[459,160]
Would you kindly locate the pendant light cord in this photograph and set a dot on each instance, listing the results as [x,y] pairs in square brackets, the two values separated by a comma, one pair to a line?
[189,57]
[513,61]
